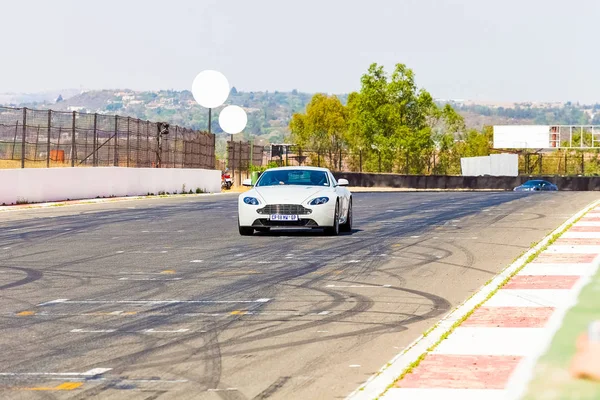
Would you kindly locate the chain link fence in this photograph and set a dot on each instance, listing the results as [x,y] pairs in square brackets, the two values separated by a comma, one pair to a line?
[47,138]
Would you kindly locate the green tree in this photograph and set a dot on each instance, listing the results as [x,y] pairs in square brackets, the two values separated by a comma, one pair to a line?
[397,118]
[323,128]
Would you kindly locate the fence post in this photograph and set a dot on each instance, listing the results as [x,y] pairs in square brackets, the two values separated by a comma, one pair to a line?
[240,162]
[73,144]
[48,140]
[116,156]
[128,139]
[12,157]
[24,137]
[175,148]
[37,142]
[95,142]
[148,144]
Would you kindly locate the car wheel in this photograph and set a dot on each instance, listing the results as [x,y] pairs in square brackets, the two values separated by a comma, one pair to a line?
[347,226]
[245,231]
[335,229]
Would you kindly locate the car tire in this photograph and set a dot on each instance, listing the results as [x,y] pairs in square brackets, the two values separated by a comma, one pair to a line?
[245,230]
[262,230]
[335,229]
[347,226]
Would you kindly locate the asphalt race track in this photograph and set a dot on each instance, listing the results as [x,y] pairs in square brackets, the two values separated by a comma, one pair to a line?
[162,299]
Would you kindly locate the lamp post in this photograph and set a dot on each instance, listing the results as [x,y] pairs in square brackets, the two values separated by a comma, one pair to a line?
[210,89]
[233,120]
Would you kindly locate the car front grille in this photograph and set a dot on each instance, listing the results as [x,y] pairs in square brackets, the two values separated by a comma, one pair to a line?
[284,209]
[263,222]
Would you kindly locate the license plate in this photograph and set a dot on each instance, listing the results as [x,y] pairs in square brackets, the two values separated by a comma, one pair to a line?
[279,217]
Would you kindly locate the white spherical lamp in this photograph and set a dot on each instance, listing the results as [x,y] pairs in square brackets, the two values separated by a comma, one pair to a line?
[233,119]
[210,89]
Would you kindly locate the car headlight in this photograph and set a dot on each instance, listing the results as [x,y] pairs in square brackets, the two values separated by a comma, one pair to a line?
[319,200]
[251,200]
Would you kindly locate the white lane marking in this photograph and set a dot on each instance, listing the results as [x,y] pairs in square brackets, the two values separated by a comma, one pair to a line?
[359,286]
[91,372]
[196,261]
[322,331]
[492,341]
[120,252]
[323,313]
[123,331]
[150,279]
[57,301]
[415,237]
[66,301]
[352,261]
[354,366]
[222,390]
[436,394]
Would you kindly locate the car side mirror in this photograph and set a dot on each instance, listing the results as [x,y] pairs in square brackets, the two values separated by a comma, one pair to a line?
[343,182]
[247,182]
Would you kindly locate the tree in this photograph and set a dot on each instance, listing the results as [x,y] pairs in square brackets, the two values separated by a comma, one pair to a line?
[396,117]
[323,128]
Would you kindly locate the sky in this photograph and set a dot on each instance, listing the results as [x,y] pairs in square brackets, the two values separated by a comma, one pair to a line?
[509,50]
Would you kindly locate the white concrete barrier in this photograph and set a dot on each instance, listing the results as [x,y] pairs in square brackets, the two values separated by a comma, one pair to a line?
[34,185]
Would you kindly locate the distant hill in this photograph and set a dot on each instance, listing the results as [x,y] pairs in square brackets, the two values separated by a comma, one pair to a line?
[269,113]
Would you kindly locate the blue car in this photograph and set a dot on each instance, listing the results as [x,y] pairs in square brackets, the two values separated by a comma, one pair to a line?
[535,186]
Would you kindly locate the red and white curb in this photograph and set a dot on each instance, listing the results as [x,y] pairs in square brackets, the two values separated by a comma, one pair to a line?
[492,353]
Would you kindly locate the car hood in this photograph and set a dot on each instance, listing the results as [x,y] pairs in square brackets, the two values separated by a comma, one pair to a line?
[288,194]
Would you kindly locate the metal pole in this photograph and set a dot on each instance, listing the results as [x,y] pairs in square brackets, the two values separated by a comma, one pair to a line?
[148,143]
[209,120]
[24,137]
[582,164]
[12,157]
[95,142]
[128,139]
[175,147]
[37,141]
[48,139]
[116,156]
[73,144]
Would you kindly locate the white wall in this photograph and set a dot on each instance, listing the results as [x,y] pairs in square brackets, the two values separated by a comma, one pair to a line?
[493,165]
[474,166]
[35,185]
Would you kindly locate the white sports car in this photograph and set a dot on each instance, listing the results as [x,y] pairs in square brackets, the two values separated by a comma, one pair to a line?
[295,197]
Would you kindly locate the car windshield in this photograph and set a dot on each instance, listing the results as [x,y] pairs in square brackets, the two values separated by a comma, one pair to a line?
[532,183]
[302,177]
